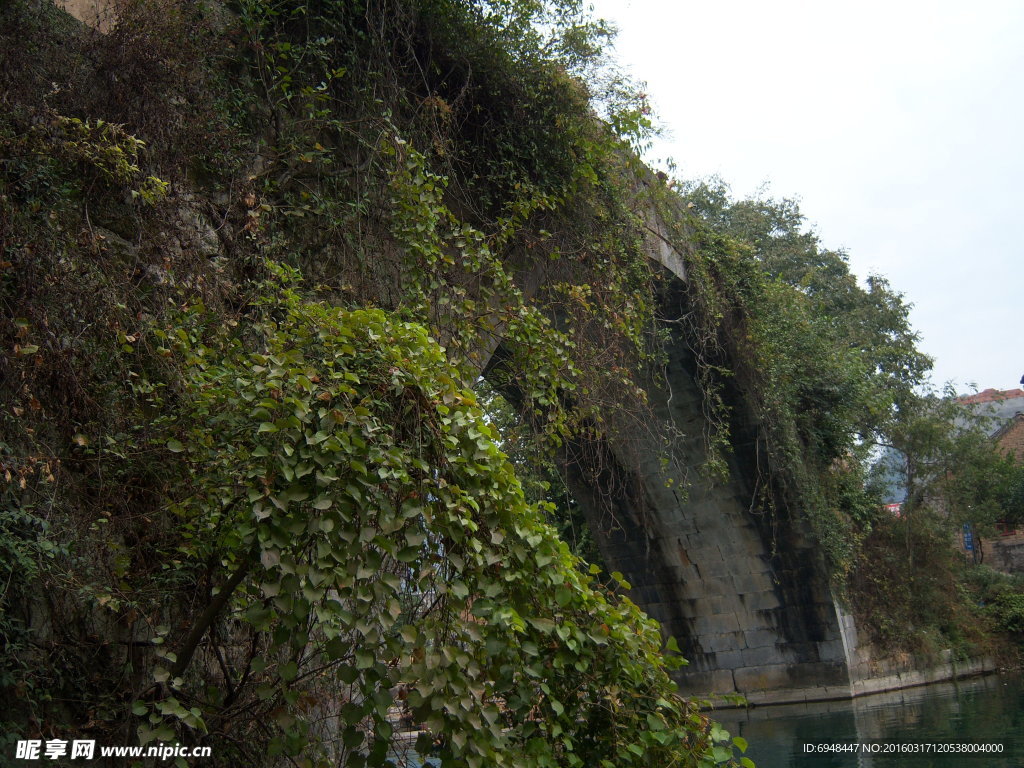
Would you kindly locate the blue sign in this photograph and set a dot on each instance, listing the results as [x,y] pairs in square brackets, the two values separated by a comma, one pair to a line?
[968,538]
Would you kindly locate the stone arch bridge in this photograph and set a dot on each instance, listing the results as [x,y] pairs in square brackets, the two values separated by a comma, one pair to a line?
[745,595]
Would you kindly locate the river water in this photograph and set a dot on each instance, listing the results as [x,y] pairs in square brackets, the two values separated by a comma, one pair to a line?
[879,731]
[935,726]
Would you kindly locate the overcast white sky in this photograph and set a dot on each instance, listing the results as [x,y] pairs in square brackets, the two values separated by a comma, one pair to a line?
[898,125]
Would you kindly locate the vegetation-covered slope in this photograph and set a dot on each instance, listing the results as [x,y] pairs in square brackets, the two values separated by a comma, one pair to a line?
[247,500]
[253,257]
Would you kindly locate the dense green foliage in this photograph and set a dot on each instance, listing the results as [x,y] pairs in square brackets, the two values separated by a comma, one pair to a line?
[1008,611]
[255,505]
[385,541]
[254,257]
[945,459]
[906,587]
[915,587]
[828,373]
[824,366]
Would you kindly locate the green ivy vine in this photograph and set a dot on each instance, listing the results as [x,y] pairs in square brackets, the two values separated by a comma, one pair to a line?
[359,519]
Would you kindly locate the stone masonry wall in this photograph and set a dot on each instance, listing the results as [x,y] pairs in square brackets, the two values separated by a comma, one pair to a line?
[701,558]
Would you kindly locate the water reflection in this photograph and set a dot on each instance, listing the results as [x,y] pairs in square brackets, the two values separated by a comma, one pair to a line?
[981,710]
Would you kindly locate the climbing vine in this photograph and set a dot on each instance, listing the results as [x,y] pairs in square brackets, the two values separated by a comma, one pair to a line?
[284,489]
[356,515]
[822,365]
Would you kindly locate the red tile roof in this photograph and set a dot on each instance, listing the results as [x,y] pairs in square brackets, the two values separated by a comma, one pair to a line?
[992,396]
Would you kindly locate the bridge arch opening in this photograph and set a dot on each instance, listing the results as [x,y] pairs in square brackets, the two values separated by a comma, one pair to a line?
[743,591]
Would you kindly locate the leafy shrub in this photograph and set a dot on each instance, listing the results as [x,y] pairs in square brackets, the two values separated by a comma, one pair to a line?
[369,533]
[1008,611]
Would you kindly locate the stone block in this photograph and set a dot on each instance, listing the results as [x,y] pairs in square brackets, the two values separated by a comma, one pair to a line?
[751,582]
[761,677]
[731,604]
[726,641]
[757,620]
[760,600]
[716,588]
[697,683]
[816,675]
[764,656]
[715,568]
[722,681]
[832,650]
[716,624]
[711,522]
[720,604]
[705,546]
[765,698]
[728,659]
[669,576]
[760,638]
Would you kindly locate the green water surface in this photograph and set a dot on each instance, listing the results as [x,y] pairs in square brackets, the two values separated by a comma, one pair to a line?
[904,729]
